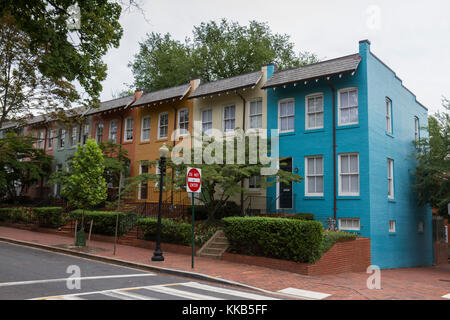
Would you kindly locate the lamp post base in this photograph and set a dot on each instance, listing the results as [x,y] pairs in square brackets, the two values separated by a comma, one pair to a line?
[157,256]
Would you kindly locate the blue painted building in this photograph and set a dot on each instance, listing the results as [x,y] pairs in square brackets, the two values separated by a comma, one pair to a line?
[347,126]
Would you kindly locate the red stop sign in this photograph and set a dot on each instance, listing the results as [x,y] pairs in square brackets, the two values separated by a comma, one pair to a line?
[193,180]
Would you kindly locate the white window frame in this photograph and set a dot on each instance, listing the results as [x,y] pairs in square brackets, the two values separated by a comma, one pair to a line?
[392,226]
[339,106]
[127,129]
[209,122]
[146,129]
[352,227]
[110,133]
[279,114]
[254,188]
[73,136]
[307,113]
[61,138]
[85,133]
[97,127]
[183,132]
[313,194]
[140,184]
[351,194]
[159,125]
[259,115]
[39,144]
[390,178]
[416,129]
[50,135]
[388,115]
[224,130]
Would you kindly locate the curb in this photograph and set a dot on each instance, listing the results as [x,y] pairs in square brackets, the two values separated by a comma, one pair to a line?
[124,263]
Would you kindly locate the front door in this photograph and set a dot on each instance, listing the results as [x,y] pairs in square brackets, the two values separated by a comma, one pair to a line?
[285,189]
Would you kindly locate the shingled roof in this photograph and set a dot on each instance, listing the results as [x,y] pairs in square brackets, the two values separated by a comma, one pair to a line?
[313,71]
[178,92]
[112,104]
[237,82]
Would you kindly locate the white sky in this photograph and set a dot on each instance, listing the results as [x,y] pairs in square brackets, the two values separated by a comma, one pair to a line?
[412,37]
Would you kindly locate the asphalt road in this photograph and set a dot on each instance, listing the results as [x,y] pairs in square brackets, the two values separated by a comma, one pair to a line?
[29,273]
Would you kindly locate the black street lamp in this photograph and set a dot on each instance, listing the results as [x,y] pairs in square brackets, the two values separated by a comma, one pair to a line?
[163,153]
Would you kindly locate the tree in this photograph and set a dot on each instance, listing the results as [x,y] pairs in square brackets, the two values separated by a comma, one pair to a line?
[21,165]
[216,51]
[433,163]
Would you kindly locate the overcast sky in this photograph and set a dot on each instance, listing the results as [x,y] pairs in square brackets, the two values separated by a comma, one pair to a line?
[412,37]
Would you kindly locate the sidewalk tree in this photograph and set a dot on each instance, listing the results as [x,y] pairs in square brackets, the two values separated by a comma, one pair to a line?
[433,162]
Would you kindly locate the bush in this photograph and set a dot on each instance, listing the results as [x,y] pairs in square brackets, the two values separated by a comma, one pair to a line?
[51,217]
[288,239]
[201,213]
[229,209]
[105,221]
[171,231]
[331,237]
[302,216]
[15,214]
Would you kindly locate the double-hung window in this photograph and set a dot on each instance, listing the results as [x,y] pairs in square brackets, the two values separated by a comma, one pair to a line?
[206,120]
[113,130]
[229,118]
[391,225]
[163,125]
[50,139]
[388,116]
[85,133]
[349,174]
[348,106]
[254,182]
[416,129]
[351,224]
[99,132]
[314,175]
[73,136]
[143,187]
[183,122]
[286,116]
[129,123]
[255,114]
[314,111]
[62,137]
[390,176]
[145,128]
[40,139]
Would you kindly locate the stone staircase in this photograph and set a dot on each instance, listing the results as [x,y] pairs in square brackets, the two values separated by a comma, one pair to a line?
[130,237]
[214,247]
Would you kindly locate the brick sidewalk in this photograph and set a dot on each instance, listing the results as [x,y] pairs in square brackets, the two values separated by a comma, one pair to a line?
[411,283]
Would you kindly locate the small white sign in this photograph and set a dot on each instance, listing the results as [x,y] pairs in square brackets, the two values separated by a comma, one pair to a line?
[193,180]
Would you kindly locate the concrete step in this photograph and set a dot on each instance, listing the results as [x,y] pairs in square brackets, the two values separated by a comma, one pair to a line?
[221,239]
[212,256]
[215,245]
[217,251]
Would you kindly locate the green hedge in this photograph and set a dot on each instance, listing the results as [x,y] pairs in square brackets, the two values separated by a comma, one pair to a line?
[171,231]
[302,216]
[15,215]
[287,239]
[331,237]
[50,217]
[105,221]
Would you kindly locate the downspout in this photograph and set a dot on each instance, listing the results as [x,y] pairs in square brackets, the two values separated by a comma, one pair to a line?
[333,90]
[174,129]
[41,193]
[244,102]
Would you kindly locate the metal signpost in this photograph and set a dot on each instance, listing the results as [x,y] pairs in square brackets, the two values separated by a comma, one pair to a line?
[193,185]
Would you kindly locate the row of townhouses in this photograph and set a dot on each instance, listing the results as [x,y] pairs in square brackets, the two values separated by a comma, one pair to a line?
[346,125]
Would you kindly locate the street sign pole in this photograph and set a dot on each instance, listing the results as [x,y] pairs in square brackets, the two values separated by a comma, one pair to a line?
[193,185]
[193,228]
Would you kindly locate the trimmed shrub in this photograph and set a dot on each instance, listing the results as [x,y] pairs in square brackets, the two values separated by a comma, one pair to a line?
[171,231]
[331,237]
[50,217]
[303,216]
[15,215]
[105,221]
[288,239]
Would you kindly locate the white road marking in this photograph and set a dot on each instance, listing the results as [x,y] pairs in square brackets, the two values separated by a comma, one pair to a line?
[447,296]
[125,295]
[180,293]
[21,283]
[305,293]
[236,293]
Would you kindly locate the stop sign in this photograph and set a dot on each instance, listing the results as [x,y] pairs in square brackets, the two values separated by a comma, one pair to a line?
[193,180]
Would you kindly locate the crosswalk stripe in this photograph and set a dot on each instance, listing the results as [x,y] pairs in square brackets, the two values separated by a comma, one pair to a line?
[305,293]
[227,291]
[180,293]
[125,295]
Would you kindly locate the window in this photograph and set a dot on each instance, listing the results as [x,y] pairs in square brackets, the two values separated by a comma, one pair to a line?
[113,130]
[50,139]
[40,140]
[99,132]
[255,114]
[391,225]
[206,120]
[73,136]
[314,175]
[254,182]
[183,121]
[349,224]
[228,118]
[163,125]
[390,176]
[314,112]
[416,129]
[388,115]
[420,226]
[129,122]
[286,116]
[85,133]
[143,187]
[58,186]
[349,174]
[62,137]
[348,106]
[145,129]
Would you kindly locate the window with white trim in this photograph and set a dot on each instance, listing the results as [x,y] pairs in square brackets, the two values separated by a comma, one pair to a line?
[62,137]
[143,187]
[254,182]
[349,174]
[255,114]
[348,106]
[391,225]
[50,139]
[113,130]
[145,128]
[390,178]
[286,116]
[229,118]
[314,111]
[85,133]
[314,175]
[206,120]
[40,139]
[351,224]
[129,123]
[163,125]
[388,115]
[73,136]
[183,122]
[99,132]
[416,129]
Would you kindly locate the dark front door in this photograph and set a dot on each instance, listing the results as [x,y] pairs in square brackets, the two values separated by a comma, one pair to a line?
[285,189]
